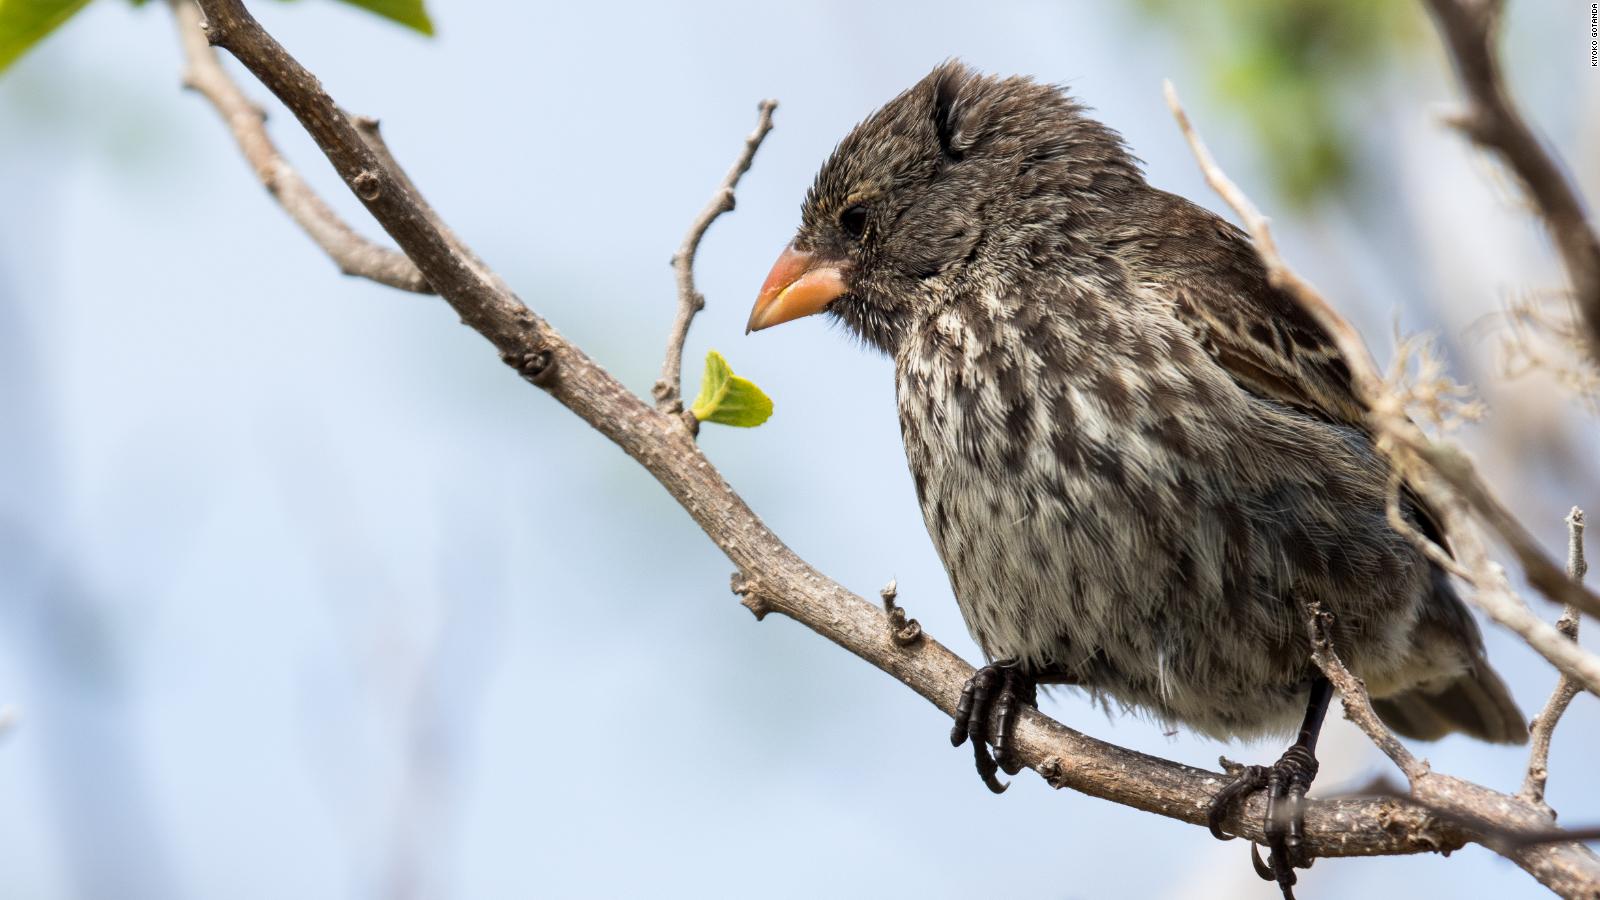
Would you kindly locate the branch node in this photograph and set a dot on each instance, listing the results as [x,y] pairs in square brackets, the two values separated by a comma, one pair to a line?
[367,185]
[750,596]
[537,365]
[1577,565]
[213,34]
[902,631]
[1054,772]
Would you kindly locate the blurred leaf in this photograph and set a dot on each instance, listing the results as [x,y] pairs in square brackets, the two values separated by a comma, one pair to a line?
[1302,72]
[24,23]
[409,13]
[727,399]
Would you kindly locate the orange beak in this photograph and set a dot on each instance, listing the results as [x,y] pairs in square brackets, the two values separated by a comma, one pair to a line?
[800,284]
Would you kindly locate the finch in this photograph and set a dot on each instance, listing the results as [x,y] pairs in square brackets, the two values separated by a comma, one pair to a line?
[1137,458]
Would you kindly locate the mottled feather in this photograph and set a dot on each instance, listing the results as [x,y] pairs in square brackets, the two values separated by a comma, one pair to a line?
[1134,455]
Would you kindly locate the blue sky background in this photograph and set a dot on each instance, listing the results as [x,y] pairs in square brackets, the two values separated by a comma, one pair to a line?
[302,593]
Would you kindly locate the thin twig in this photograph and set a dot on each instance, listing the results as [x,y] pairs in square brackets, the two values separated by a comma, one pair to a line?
[1544,724]
[668,390]
[1353,693]
[1397,520]
[353,254]
[1363,369]
[1469,29]
[1448,481]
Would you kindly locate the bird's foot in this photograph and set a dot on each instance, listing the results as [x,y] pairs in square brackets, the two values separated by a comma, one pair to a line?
[1285,782]
[987,713]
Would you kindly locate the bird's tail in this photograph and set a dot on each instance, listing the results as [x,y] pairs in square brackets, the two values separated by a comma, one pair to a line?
[1476,703]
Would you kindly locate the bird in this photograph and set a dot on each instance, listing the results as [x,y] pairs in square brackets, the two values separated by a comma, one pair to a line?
[1138,459]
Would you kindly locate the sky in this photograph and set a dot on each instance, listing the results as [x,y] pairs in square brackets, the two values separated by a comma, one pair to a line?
[303,593]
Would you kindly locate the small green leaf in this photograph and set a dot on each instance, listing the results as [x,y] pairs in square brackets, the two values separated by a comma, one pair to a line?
[727,399]
[407,12]
[24,23]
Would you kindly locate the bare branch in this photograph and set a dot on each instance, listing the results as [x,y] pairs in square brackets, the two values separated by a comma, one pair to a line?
[1519,828]
[1451,485]
[353,254]
[668,389]
[1362,368]
[1469,29]
[1397,520]
[1544,724]
[1353,693]
[1448,480]
[771,575]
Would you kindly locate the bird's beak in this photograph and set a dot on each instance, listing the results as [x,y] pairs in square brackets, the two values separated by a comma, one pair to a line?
[799,284]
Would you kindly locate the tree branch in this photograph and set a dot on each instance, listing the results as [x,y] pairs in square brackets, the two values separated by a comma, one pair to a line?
[353,254]
[668,389]
[1544,724]
[771,576]
[1469,29]
[1487,816]
[1517,828]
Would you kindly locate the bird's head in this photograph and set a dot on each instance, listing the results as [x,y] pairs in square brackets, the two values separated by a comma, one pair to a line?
[947,176]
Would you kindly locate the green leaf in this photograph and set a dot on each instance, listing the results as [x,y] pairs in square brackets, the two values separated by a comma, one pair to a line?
[407,12]
[24,23]
[727,399]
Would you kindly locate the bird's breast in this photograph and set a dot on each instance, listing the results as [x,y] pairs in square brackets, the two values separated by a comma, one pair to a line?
[1035,454]
[1107,500]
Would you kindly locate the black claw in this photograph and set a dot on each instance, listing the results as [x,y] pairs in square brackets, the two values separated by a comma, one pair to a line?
[978,731]
[1019,691]
[1249,780]
[987,713]
[958,734]
[1285,782]
[987,767]
[1262,868]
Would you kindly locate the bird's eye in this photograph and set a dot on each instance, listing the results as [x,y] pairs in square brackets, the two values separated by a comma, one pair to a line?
[854,219]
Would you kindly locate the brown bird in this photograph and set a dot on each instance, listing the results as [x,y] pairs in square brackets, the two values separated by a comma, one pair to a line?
[1136,457]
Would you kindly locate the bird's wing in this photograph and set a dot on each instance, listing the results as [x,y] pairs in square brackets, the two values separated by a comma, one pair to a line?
[1269,344]
[1258,333]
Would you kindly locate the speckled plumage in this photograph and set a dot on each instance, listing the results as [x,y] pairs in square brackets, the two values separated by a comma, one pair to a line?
[1134,455]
